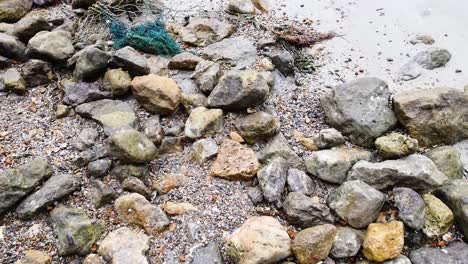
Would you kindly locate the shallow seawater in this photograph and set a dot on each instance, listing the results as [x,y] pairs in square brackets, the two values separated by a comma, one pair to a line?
[376,34]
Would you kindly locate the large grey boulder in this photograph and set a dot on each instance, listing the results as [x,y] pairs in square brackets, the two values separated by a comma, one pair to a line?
[123,244]
[28,26]
[75,230]
[304,212]
[55,45]
[11,47]
[333,165]
[205,31]
[12,11]
[83,92]
[360,109]
[56,187]
[447,159]
[17,183]
[357,203]
[410,207]
[238,90]
[272,179]
[113,115]
[455,253]
[455,195]
[433,116]
[238,52]
[415,171]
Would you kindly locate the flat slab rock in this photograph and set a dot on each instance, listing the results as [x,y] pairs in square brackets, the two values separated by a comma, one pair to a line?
[239,52]
[111,114]
[415,171]
[123,245]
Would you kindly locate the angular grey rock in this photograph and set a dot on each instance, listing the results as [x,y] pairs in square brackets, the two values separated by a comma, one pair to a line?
[433,116]
[86,139]
[360,109]
[192,101]
[113,115]
[455,253]
[206,75]
[75,231]
[82,92]
[304,212]
[94,153]
[278,146]
[131,146]
[14,82]
[256,126]
[455,195]
[184,61]
[135,185]
[410,207]
[17,183]
[101,194]
[12,11]
[238,90]
[99,168]
[333,165]
[11,47]
[347,243]
[357,203]
[402,259]
[433,58]
[205,31]
[447,160]
[283,61]
[91,64]
[238,52]
[255,194]
[203,150]
[54,188]
[153,129]
[122,171]
[203,122]
[272,179]
[208,254]
[55,45]
[130,60]
[28,26]
[37,72]
[170,145]
[415,171]
[329,138]
[299,181]
[123,244]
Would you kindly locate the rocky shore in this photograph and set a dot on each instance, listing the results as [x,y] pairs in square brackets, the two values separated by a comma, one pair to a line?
[230,151]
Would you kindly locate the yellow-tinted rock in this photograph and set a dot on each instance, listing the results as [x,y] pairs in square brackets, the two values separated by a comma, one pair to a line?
[234,162]
[438,217]
[35,257]
[159,95]
[313,244]
[178,208]
[383,241]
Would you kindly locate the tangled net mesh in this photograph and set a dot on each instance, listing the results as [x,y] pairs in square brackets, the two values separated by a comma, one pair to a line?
[135,23]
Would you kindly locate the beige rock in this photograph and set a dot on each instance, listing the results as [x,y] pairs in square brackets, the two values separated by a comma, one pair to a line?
[93,259]
[383,241]
[233,135]
[119,81]
[184,61]
[235,162]
[178,208]
[438,217]
[313,244]
[35,257]
[308,143]
[135,209]
[260,240]
[159,95]
[203,121]
[168,182]
[122,245]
